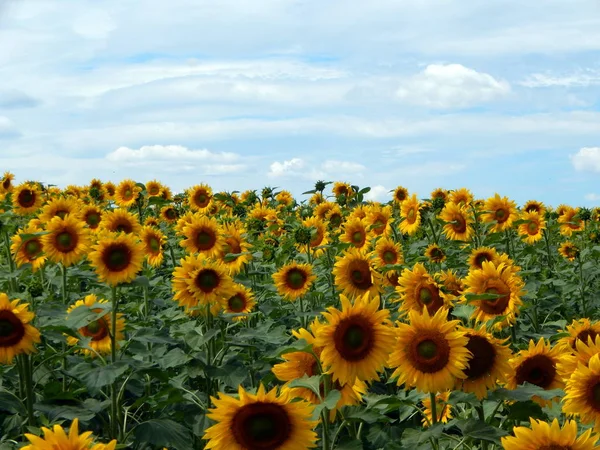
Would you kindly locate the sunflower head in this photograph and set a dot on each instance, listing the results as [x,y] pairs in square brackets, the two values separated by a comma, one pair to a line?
[154,188]
[480,255]
[355,233]
[443,409]
[67,240]
[500,212]
[121,221]
[458,222]
[241,301]
[533,226]
[546,436]
[202,235]
[117,258]
[388,252]
[199,197]
[26,198]
[6,182]
[17,335]
[534,206]
[461,197]
[294,280]
[29,249]
[411,215]
[400,194]
[418,289]
[355,275]
[569,251]
[435,253]
[92,215]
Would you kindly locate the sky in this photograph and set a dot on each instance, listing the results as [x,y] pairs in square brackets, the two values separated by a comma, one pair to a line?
[496,96]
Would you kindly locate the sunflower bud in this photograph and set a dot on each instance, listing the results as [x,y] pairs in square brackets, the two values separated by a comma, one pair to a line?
[239,211]
[302,235]
[438,203]
[267,192]
[584,214]
[320,186]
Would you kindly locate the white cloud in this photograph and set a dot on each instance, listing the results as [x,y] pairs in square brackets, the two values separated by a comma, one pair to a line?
[587,159]
[592,197]
[378,193]
[94,24]
[451,86]
[168,153]
[7,128]
[343,167]
[291,167]
[583,78]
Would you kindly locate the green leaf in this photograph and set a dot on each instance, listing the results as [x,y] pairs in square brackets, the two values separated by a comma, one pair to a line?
[152,335]
[84,315]
[313,383]
[525,393]
[522,411]
[164,433]
[478,429]
[98,377]
[354,444]
[10,402]
[174,358]
[485,296]
[416,438]
[330,402]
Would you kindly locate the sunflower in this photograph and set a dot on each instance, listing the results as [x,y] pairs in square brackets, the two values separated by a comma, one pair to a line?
[285,198]
[234,244]
[241,301]
[417,289]
[127,193]
[355,275]
[26,199]
[461,197]
[583,393]
[502,282]
[16,334]
[387,252]
[411,216]
[545,436]
[570,360]
[199,197]
[534,206]
[443,409]
[400,194]
[92,216]
[6,183]
[458,222]
[488,364]
[316,199]
[262,421]
[59,207]
[110,189]
[98,330]
[435,253]
[356,340]
[451,285]
[568,250]
[380,220]
[341,188]
[430,353]
[335,217]
[501,212]
[121,221]
[355,233]
[531,230]
[117,258]
[440,193]
[322,209]
[151,221]
[569,222]
[28,249]
[294,280]
[154,188]
[57,439]
[536,365]
[67,240]
[482,254]
[200,281]
[319,235]
[154,241]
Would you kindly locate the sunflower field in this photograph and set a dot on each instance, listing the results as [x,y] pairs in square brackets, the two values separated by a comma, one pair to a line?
[132,317]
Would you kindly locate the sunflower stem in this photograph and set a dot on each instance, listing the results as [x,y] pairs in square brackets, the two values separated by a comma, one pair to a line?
[435,238]
[507,239]
[114,420]
[29,395]
[481,414]
[434,417]
[547,240]
[146,304]
[64,293]
[582,287]
[11,264]
[172,256]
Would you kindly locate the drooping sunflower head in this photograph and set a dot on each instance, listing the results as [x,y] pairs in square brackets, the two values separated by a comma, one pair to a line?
[117,258]
[461,197]
[531,230]
[387,252]
[435,253]
[451,285]
[6,182]
[534,206]
[199,197]
[458,222]
[568,250]
[500,212]
[67,240]
[411,215]
[121,221]
[26,198]
[418,289]
[235,253]
[443,409]
[355,233]
[480,255]
[294,280]
[355,275]
[430,353]
[400,194]
[58,439]
[380,220]
[546,436]
[319,235]
[355,341]
[570,222]
[17,335]
[202,235]
[27,247]
[154,241]
[154,188]
[241,301]
[92,216]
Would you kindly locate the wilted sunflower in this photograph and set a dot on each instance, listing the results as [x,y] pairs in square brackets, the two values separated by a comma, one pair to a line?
[294,280]
[545,436]
[154,188]
[234,244]
[537,365]
[534,206]
[319,236]
[411,216]
[582,391]
[92,216]
[500,281]
[199,282]
[531,230]
[202,235]
[356,340]
[461,197]
[117,258]
[418,289]
[458,222]
[154,241]
[400,194]
[482,254]
[17,336]
[380,220]
[569,222]
[57,439]
[501,212]
[488,364]
[59,207]
[355,233]
[67,240]
[98,330]
[121,221]
[169,214]
[355,275]
[387,252]
[435,253]
[127,193]
[241,301]
[443,409]
[199,197]
[6,182]
[26,198]
[430,353]
[28,249]
[568,250]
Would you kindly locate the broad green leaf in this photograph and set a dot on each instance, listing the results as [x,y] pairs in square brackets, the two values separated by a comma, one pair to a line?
[164,433]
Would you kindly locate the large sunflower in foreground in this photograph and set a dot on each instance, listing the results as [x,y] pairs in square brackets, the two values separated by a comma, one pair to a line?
[294,280]
[458,225]
[202,235]
[28,249]
[356,340]
[418,289]
[545,436]
[354,274]
[154,241]
[127,193]
[531,230]
[99,330]
[355,233]
[199,197]
[582,391]
[504,284]
[488,364]
[501,212]
[537,365]
[16,334]
[58,439]
[117,258]
[265,421]
[430,353]
[26,199]
[234,243]
[121,221]
[569,361]
[411,216]
[67,240]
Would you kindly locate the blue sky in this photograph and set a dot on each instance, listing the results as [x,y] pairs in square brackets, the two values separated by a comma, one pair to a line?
[499,96]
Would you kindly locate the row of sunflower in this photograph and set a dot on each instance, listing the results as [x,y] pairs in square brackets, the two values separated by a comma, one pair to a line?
[338,322]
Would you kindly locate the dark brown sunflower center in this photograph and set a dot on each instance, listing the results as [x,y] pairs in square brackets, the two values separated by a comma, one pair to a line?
[400,196]
[154,244]
[92,219]
[97,330]
[123,225]
[237,303]
[61,213]
[207,280]
[232,246]
[429,352]
[153,190]
[481,258]
[66,241]
[538,369]
[33,248]
[532,208]
[171,214]
[496,306]
[317,238]
[501,215]
[117,257]
[358,238]
[583,336]
[12,329]
[6,184]
[390,257]
[354,338]
[201,199]
[555,447]
[295,278]
[484,356]
[594,394]
[429,295]
[205,239]
[360,275]
[459,224]
[436,254]
[261,426]
[26,198]
[335,220]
